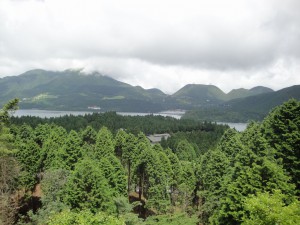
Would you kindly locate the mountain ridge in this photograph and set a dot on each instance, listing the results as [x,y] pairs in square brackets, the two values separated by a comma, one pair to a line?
[74,90]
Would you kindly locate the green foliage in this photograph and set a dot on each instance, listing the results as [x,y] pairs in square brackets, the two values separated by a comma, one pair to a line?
[115,174]
[87,188]
[71,151]
[185,151]
[9,167]
[246,178]
[212,168]
[104,143]
[268,209]
[281,128]
[51,150]
[251,173]
[149,124]
[187,185]
[89,135]
[230,144]
[84,217]
[173,219]
[42,216]
[52,185]
[8,108]
[28,155]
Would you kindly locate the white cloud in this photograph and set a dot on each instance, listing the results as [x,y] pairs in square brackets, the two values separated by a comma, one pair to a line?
[164,44]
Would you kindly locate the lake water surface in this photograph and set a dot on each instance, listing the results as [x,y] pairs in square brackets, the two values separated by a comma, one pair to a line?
[53,113]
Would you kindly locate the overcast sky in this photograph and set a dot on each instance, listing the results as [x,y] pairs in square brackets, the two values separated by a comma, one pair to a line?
[156,43]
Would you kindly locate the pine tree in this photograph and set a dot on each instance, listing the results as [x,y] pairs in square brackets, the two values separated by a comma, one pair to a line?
[104,143]
[120,142]
[250,174]
[87,188]
[89,135]
[129,156]
[115,174]
[185,151]
[213,166]
[51,150]
[71,151]
[281,128]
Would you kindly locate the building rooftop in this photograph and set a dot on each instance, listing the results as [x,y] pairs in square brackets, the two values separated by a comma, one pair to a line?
[156,138]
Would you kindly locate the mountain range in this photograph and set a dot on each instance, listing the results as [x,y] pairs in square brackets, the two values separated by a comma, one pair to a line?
[74,90]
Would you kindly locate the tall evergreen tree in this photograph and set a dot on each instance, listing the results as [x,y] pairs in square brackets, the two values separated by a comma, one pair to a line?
[129,156]
[71,151]
[281,128]
[250,174]
[87,188]
[104,143]
[213,166]
[185,151]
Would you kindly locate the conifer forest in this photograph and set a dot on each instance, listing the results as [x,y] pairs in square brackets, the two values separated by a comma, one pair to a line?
[102,169]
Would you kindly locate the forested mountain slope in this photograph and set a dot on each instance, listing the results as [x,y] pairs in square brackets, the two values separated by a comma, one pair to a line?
[73,90]
[242,92]
[245,109]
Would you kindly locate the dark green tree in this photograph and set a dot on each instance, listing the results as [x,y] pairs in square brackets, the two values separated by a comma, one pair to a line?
[51,150]
[213,165]
[89,135]
[115,175]
[104,143]
[28,156]
[87,188]
[185,151]
[250,174]
[120,142]
[129,155]
[71,151]
[281,128]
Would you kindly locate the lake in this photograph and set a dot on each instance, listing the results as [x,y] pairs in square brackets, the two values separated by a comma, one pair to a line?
[237,126]
[53,113]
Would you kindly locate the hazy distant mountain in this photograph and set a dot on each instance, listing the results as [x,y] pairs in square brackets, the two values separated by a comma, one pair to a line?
[263,103]
[245,109]
[74,90]
[199,95]
[242,92]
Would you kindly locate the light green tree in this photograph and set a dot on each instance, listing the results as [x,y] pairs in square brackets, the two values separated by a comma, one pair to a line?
[268,209]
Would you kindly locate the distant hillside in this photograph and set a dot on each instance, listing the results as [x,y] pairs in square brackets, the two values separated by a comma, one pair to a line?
[73,90]
[242,92]
[263,103]
[198,95]
[245,109]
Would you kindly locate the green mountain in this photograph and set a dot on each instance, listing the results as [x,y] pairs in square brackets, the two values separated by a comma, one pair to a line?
[198,95]
[245,109]
[242,92]
[263,103]
[73,90]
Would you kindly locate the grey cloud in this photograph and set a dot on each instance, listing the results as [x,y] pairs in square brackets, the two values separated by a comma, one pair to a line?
[187,41]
